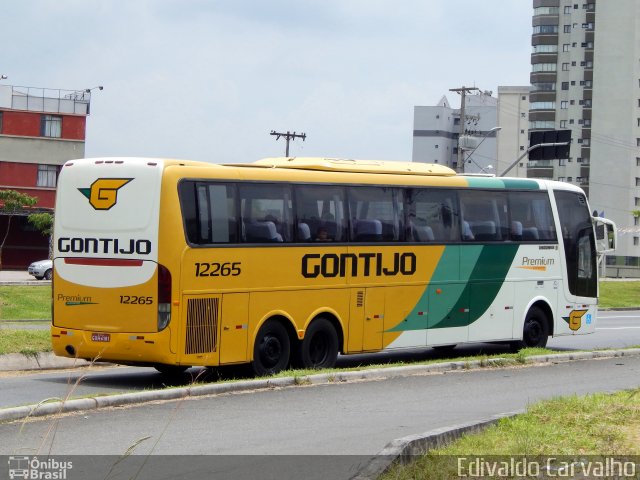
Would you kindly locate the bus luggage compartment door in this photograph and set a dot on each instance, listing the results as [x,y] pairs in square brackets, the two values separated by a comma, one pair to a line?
[366,323]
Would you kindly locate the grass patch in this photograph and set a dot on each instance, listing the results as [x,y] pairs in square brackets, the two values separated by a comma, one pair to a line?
[27,342]
[597,424]
[619,294]
[25,302]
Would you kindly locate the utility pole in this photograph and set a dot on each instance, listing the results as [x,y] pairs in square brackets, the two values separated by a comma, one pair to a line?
[463,92]
[288,136]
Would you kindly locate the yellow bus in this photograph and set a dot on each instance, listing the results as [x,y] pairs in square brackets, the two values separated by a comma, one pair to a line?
[292,261]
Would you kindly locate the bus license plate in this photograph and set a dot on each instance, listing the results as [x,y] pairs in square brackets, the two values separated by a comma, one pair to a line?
[101,337]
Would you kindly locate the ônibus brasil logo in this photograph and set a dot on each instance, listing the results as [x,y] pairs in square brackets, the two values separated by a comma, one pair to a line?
[103,193]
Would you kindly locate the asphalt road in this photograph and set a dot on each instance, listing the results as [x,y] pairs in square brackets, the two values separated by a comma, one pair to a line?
[615,330]
[336,420]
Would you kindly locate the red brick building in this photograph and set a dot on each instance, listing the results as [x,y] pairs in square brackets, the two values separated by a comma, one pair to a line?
[40,129]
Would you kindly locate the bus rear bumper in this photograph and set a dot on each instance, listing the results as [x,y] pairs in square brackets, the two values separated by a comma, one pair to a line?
[125,348]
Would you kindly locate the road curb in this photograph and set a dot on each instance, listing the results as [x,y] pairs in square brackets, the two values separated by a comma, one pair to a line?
[57,406]
[404,450]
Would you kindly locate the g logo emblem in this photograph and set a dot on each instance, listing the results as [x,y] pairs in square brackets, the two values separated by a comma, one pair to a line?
[103,193]
[575,319]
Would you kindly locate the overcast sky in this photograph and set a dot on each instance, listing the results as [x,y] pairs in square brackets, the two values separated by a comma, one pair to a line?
[209,79]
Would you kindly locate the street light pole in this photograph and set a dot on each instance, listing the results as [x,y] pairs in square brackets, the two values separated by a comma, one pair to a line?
[485,136]
[532,147]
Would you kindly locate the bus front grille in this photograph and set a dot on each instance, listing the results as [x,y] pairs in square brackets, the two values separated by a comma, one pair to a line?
[202,325]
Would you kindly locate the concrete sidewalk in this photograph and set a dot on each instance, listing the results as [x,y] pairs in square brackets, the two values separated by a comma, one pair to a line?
[42,361]
[20,277]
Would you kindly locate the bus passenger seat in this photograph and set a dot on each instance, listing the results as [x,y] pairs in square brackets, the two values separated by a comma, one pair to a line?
[516,230]
[304,232]
[467,234]
[530,233]
[423,233]
[368,230]
[485,230]
[263,232]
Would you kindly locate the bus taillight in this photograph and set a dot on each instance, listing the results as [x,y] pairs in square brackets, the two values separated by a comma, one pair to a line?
[164,297]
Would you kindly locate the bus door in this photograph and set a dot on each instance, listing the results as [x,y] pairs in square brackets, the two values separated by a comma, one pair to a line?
[199,339]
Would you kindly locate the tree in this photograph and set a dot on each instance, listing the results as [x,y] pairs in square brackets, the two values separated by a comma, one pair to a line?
[44,222]
[11,204]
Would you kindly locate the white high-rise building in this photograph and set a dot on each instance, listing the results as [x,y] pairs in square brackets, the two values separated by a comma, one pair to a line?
[436,130]
[586,78]
[498,127]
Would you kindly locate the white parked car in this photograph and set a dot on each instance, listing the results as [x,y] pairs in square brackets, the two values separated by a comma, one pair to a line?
[41,269]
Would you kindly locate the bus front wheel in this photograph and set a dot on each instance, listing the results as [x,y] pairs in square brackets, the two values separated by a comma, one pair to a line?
[271,350]
[535,332]
[319,349]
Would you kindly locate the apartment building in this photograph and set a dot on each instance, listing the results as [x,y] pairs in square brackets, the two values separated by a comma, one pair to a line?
[40,129]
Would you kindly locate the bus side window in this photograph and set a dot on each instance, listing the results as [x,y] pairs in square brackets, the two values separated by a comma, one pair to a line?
[320,213]
[266,212]
[531,217]
[209,212]
[432,215]
[486,214]
[377,214]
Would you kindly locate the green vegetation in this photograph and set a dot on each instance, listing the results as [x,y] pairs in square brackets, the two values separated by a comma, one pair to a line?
[25,302]
[619,294]
[598,424]
[27,342]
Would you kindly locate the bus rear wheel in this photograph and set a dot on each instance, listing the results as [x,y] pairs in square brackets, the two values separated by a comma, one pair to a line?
[271,350]
[319,349]
[535,332]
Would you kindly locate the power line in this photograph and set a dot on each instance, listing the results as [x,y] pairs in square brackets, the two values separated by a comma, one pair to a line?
[463,93]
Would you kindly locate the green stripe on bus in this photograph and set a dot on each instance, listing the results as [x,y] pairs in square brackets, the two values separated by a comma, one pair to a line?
[492,182]
[488,275]
[448,300]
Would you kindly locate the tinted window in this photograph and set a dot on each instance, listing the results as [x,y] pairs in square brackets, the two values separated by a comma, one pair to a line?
[484,216]
[432,216]
[266,212]
[209,212]
[531,217]
[320,213]
[376,214]
[579,243]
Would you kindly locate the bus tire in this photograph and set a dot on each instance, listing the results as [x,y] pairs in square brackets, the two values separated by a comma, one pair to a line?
[319,348]
[272,349]
[535,331]
[171,370]
[446,349]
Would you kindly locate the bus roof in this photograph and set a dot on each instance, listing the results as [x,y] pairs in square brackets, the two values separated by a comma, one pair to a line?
[353,166]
